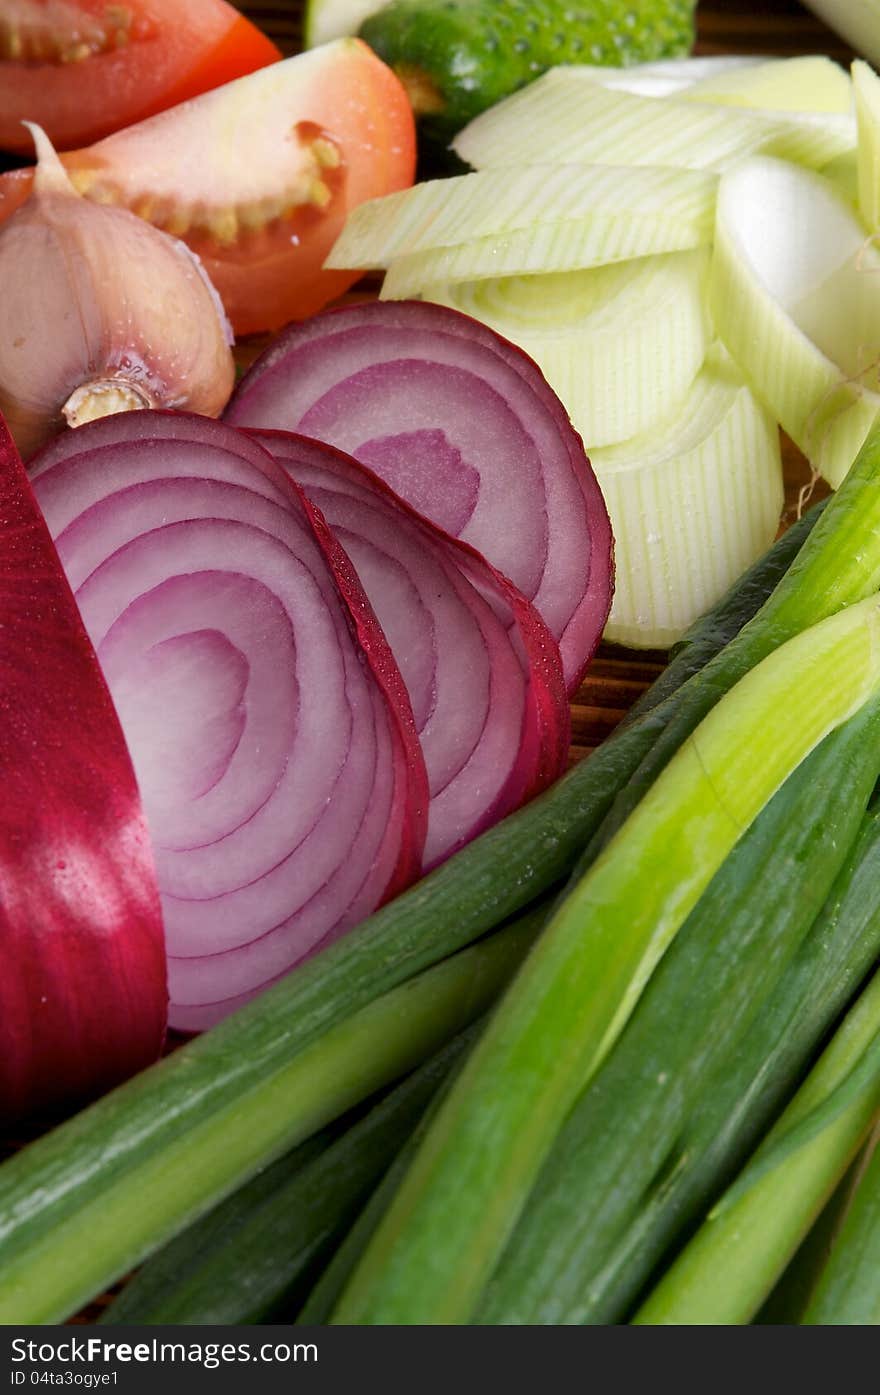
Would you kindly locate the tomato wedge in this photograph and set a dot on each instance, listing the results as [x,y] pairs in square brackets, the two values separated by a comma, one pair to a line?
[84,68]
[259,176]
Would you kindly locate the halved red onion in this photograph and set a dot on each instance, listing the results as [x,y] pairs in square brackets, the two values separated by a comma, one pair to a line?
[482,670]
[464,426]
[82,989]
[268,723]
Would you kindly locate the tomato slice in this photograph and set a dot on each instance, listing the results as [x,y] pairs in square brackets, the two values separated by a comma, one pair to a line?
[259,176]
[84,68]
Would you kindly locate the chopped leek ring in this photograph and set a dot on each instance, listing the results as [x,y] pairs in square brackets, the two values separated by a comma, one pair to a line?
[867,89]
[619,344]
[650,210]
[809,83]
[668,76]
[795,295]
[583,121]
[691,505]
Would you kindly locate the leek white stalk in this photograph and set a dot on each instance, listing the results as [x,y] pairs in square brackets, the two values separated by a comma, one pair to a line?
[581,120]
[575,214]
[620,344]
[692,504]
[436,1247]
[867,93]
[857,21]
[810,83]
[795,295]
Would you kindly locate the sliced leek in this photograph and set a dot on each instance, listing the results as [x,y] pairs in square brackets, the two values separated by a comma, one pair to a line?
[691,504]
[668,76]
[866,84]
[620,344]
[795,295]
[857,21]
[594,211]
[436,1246]
[583,121]
[808,83]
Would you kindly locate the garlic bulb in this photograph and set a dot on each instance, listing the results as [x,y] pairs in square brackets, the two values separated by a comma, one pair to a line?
[101,313]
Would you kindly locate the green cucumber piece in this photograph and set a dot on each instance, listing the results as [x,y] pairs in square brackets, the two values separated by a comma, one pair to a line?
[634,1123]
[254,1254]
[458,57]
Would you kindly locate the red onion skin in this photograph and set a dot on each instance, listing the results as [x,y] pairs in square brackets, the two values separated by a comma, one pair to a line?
[83,999]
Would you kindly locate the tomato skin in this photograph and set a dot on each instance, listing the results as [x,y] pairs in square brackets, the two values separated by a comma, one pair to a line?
[176,51]
[272,275]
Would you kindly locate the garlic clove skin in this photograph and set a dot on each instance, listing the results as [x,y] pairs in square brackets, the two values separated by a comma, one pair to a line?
[100,312]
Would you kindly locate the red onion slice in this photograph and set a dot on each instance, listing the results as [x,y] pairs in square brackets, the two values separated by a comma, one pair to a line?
[481,668]
[82,993]
[268,723]
[464,426]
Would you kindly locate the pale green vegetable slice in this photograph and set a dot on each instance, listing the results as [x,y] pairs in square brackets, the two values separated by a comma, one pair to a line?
[844,175]
[857,21]
[808,83]
[580,120]
[324,20]
[586,204]
[692,505]
[795,295]
[867,90]
[668,211]
[619,343]
[667,76]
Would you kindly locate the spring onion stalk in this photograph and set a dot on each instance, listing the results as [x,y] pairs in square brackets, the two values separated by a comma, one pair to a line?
[848,1292]
[788,1301]
[723,1034]
[795,294]
[723,1275]
[579,119]
[57,1255]
[692,503]
[866,85]
[251,1257]
[432,1255]
[838,564]
[620,344]
[857,21]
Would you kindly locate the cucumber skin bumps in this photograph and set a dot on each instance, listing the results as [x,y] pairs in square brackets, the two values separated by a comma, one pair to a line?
[458,57]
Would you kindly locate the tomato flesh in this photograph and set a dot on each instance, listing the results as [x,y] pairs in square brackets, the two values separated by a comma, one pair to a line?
[259,176]
[84,68]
